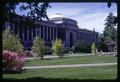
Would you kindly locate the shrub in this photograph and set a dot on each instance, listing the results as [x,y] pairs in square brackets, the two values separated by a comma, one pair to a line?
[57,47]
[38,47]
[67,50]
[28,53]
[102,46]
[81,47]
[93,48]
[12,62]
[11,42]
[48,50]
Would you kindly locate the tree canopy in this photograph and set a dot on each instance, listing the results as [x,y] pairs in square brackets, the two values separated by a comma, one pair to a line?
[110,31]
[37,10]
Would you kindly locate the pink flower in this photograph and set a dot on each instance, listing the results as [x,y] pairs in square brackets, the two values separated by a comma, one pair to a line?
[13,60]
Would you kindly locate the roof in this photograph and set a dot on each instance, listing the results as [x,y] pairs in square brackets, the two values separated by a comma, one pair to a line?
[57,15]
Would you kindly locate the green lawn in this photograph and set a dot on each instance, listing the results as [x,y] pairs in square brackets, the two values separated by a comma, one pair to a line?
[72,60]
[102,72]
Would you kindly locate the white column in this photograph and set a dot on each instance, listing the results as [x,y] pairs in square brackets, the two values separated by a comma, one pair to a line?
[27,34]
[36,31]
[7,25]
[31,33]
[18,31]
[13,27]
[43,33]
[40,31]
[23,33]
[18,28]
[47,33]
[50,34]
[56,33]
[53,34]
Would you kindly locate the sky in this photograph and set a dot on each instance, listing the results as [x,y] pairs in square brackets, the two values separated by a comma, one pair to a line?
[88,15]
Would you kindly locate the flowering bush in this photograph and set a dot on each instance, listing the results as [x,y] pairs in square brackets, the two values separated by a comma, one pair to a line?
[13,62]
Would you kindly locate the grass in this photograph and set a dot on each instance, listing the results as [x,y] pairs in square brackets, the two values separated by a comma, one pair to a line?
[80,73]
[72,60]
[100,72]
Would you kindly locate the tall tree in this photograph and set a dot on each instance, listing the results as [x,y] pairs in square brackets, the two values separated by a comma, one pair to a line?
[110,31]
[109,5]
[37,10]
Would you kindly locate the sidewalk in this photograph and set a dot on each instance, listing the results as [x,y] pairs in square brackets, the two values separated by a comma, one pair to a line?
[70,65]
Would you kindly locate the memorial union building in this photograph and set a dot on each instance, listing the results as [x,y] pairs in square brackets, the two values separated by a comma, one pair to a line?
[57,26]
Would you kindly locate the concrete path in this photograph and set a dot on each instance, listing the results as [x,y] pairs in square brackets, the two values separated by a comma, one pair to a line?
[49,56]
[70,65]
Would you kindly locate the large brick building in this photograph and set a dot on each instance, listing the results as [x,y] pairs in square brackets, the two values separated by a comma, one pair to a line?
[57,27]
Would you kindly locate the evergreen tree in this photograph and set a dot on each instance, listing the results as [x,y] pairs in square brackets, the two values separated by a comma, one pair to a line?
[110,31]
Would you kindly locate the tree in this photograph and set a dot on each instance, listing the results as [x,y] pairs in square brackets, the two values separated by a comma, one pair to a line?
[38,47]
[11,42]
[57,47]
[93,48]
[109,5]
[36,9]
[110,31]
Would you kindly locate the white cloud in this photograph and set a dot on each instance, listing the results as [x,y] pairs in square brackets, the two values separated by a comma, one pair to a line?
[88,16]
[67,12]
[95,20]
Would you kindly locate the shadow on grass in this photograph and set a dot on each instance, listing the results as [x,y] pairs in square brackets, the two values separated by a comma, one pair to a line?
[50,79]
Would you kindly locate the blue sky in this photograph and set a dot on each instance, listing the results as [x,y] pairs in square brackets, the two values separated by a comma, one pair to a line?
[88,15]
